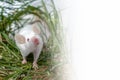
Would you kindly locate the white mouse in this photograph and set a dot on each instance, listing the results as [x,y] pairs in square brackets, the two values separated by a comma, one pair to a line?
[30,39]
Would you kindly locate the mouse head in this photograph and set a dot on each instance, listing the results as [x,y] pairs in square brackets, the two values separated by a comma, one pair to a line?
[28,37]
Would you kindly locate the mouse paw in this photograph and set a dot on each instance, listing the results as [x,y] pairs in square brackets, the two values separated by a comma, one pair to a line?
[24,61]
[35,66]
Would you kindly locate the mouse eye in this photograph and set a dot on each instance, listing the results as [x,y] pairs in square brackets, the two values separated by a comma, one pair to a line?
[27,39]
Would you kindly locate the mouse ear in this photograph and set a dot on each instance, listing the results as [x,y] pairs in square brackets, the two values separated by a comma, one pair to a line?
[20,38]
[36,29]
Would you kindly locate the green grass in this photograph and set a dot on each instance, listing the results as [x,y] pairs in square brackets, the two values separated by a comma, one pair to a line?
[10,57]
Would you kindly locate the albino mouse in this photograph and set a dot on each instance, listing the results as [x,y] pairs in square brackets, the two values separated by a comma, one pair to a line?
[30,39]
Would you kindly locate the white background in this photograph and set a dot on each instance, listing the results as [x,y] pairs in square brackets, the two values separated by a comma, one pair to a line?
[93,37]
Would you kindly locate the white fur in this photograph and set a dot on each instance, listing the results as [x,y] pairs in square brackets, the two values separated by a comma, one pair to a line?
[28,33]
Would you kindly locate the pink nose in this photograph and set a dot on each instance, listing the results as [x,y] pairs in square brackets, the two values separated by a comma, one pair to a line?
[35,41]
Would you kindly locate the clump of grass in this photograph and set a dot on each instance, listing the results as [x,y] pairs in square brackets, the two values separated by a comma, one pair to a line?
[10,58]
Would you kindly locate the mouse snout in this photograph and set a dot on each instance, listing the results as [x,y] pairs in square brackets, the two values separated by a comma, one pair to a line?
[35,40]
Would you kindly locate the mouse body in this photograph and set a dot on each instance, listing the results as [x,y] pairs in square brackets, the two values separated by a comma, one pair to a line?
[31,38]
